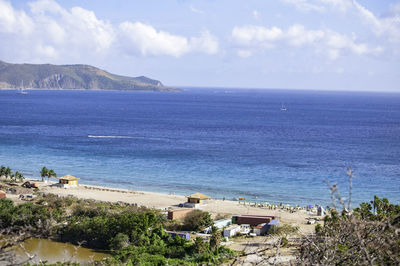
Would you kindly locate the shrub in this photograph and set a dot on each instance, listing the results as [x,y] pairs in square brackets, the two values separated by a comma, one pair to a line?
[119,241]
[197,220]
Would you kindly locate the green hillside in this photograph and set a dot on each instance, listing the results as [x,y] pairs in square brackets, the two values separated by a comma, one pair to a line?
[47,76]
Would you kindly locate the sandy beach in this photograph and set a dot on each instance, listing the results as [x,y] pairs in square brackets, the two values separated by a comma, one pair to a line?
[165,202]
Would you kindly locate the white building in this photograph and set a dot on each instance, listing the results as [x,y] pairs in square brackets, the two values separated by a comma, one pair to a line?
[232,230]
[218,224]
[222,223]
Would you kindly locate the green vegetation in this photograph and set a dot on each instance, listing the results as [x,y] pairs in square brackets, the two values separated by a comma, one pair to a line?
[371,235]
[44,172]
[196,221]
[133,235]
[7,173]
[48,76]
[378,210]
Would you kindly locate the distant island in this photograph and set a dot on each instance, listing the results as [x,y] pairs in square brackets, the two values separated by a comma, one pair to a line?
[72,77]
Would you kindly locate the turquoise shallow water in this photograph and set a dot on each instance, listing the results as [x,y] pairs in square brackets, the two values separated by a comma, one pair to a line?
[226,143]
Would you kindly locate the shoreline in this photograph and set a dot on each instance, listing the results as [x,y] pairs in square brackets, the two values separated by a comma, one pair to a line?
[144,190]
[164,202]
[273,199]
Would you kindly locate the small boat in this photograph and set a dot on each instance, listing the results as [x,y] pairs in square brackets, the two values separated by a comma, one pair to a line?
[21,89]
[283,107]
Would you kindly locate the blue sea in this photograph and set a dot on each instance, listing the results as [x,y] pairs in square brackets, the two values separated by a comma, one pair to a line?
[221,142]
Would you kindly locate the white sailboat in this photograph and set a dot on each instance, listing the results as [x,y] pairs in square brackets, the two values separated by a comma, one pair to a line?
[283,107]
[21,89]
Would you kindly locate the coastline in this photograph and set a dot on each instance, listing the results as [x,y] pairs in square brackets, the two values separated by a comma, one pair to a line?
[164,202]
[59,89]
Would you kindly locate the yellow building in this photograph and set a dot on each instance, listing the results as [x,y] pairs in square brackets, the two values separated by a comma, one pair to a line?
[68,181]
[197,198]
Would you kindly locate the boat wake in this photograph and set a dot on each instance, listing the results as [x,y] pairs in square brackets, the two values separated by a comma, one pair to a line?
[122,137]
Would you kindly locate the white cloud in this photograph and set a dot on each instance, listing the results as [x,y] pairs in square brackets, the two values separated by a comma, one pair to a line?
[297,35]
[51,32]
[85,22]
[331,43]
[13,21]
[206,43]
[388,26]
[46,51]
[148,41]
[256,35]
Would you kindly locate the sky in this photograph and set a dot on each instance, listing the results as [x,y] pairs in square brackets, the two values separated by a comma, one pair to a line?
[295,44]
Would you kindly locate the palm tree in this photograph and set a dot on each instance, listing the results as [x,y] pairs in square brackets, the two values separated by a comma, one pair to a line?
[2,171]
[51,173]
[44,172]
[7,172]
[19,176]
[12,176]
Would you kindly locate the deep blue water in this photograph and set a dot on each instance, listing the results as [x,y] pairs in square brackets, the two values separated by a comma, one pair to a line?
[223,143]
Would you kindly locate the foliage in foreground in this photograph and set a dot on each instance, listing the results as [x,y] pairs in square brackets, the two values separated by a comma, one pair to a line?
[371,235]
[133,235]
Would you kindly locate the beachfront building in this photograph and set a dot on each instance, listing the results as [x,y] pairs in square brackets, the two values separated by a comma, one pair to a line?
[218,224]
[231,230]
[222,223]
[68,181]
[253,220]
[198,198]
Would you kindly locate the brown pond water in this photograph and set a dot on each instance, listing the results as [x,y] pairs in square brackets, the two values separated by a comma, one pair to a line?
[53,251]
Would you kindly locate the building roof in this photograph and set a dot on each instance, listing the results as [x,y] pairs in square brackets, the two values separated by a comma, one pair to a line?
[233,226]
[69,178]
[260,225]
[2,192]
[274,222]
[180,210]
[198,196]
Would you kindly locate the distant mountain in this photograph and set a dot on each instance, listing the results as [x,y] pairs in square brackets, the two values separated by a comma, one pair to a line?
[46,76]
